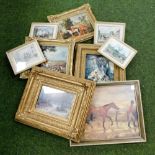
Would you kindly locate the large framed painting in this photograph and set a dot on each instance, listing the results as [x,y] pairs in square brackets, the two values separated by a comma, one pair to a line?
[53,101]
[115,115]
[76,24]
[93,66]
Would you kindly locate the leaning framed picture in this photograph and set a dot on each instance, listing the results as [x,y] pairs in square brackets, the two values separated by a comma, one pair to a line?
[105,30]
[56,103]
[118,52]
[59,55]
[93,66]
[76,24]
[115,115]
[48,31]
[25,56]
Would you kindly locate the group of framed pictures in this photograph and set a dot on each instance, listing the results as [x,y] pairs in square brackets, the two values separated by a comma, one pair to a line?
[61,97]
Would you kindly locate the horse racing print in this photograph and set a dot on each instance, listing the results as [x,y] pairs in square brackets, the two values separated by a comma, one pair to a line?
[114,115]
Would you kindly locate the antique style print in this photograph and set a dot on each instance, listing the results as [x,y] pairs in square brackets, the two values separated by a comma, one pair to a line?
[115,115]
[76,24]
[118,52]
[98,68]
[25,56]
[105,30]
[55,101]
[59,55]
[44,30]
[93,66]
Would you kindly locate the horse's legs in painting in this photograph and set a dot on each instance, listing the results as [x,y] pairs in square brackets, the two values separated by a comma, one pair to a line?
[104,125]
[110,119]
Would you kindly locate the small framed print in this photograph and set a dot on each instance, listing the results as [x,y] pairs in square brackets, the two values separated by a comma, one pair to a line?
[115,115]
[118,52]
[59,56]
[48,31]
[76,24]
[53,101]
[105,30]
[25,56]
[91,65]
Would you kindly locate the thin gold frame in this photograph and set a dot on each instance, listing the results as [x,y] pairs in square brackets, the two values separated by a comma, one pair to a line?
[82,50]
[127,61]
[12,60]
[55,33]
[69,44]
[110,24]
[142,137]
[85,9]
[71,128]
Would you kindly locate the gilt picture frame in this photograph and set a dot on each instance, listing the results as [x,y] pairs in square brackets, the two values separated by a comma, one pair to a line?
[118,52]
[86,55]
[76,24]
[53,101]
[59,55]
[115,115]
[104,30]
[44,31]
[25,56]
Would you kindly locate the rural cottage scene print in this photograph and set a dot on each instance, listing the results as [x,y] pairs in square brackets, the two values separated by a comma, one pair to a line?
[113,114]
[105,32]
[75,26]
[43,32]
[54,102]
[56,58]
[117,51]
[98,68]
[25,56]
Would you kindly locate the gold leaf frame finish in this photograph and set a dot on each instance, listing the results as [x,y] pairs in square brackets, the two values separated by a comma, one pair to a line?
[142,137]
[69,44]
[64,15]
[82,51]
[71,128]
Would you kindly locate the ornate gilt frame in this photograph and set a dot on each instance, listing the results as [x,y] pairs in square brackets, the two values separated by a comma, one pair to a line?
[71,128]
[85,9]
[82,50]
[142,137]
[69,44]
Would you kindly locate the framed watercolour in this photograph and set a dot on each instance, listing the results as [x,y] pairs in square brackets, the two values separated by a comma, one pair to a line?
[47,31]
[59,56]
[105,30]
[76,24]
[115,115]
[118,52]
[25,56]
[56,103]
[93,66]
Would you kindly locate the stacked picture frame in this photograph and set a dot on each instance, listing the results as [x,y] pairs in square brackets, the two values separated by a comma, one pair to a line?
[77,90]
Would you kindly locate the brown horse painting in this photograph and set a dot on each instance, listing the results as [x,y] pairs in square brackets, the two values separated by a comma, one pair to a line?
[102,112]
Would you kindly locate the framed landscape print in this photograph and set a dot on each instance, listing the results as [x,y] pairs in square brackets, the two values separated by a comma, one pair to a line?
[118,52]
[53,101]
[76,24]
[25,56]
[47,31]
[115,115]
[59,56]
[105,30]
[93,66]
